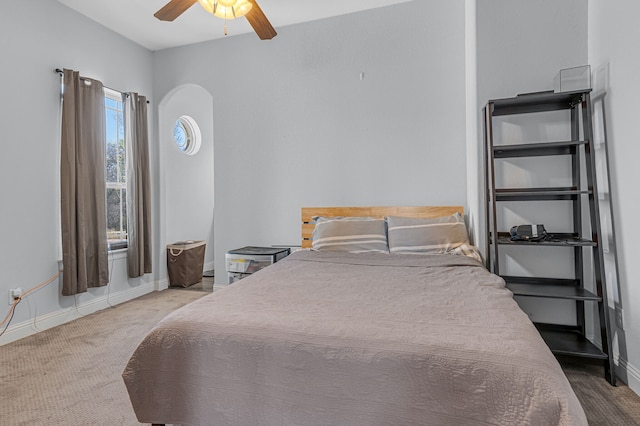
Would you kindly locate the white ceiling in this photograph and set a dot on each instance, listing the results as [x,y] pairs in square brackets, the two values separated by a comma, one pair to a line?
[134,18]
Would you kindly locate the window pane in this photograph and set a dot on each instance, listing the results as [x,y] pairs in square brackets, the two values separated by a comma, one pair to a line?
[120,122]
[113,214]
[111,124]
[112,162]
[122,152]
[123,219]
[110,103]
[180,136]
[112,140]
[115,170]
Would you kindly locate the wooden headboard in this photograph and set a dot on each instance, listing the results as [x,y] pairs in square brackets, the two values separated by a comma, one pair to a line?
[378,212]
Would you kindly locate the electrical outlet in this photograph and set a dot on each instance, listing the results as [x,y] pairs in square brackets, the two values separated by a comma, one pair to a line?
[14,293]
[619,317]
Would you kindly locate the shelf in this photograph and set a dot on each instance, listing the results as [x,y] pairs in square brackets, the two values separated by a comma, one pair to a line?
[537,149]
[580,162]
[539,194]
[536,102]
[549,287]
[555,239]
[569,342]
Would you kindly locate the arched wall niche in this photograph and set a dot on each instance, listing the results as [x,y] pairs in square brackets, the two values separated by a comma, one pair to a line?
[186,199]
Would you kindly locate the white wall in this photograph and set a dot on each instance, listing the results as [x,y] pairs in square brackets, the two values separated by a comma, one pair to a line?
[613,41]
[35,38]
[521,45]
[296,126]
[475,183]
[186,181]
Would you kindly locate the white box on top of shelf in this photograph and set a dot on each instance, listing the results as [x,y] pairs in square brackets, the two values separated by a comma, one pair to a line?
[572,79]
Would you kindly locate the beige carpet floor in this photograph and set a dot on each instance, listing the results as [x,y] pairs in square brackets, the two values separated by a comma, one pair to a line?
[71,375]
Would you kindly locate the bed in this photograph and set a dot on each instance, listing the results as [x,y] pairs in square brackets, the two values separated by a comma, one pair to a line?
[349,334]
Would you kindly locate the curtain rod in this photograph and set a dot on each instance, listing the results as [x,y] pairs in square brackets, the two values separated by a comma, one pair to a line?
[59,71]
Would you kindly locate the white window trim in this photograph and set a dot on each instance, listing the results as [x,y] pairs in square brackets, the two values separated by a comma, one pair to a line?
[194,135]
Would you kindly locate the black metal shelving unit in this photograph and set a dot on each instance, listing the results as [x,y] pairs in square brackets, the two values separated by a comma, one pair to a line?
[563,340]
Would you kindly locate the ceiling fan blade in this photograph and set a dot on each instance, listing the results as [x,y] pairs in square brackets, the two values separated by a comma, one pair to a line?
[260,23]
[173,9]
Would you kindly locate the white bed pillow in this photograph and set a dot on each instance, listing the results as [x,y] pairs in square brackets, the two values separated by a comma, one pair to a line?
[350,234]
[426,236]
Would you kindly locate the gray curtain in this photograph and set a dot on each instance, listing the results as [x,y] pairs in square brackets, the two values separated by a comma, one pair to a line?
[138,186]
[82,185]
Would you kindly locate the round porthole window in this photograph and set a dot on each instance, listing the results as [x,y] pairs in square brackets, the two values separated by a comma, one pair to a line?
[186,135]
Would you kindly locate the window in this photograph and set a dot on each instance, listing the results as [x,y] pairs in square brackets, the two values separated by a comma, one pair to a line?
[116,171]
[181,136]
[186,135]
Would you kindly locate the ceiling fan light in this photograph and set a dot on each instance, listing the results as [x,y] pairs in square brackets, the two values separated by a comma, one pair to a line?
[223,12]
[242,7]
[230,9]
[207,5]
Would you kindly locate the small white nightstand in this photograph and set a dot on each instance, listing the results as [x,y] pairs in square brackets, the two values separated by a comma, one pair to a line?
[244,261]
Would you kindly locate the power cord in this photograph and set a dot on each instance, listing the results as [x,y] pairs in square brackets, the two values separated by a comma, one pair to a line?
[75,296]
[12,311]
[7,319]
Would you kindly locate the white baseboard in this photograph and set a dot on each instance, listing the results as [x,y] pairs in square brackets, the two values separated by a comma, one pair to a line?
[219,286]
[623,368]
[629,371]
[163,284]
[62,316]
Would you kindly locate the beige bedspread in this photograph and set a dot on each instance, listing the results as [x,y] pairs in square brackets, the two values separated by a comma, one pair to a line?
[352,339]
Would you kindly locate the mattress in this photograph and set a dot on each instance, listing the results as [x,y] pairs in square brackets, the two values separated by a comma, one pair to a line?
[324,338]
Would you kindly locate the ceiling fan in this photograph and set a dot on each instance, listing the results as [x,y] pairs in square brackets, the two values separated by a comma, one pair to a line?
[226,9]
